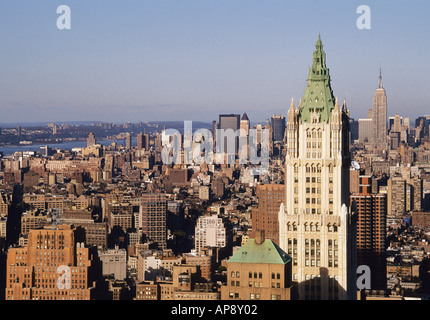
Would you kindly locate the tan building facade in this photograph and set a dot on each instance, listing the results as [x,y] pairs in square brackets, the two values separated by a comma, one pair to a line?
[53,266]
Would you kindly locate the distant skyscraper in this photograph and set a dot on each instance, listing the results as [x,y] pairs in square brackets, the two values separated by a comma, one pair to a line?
[353,127]
[146,144]
[379,116]
[128,141]
[315,223]
[244,134]
[365,130]
[91,140]
[140,141]
[278,127]
[226,122]
[214,129]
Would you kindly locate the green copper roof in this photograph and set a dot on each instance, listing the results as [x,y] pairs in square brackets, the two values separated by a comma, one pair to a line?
[318,95]
[267,252]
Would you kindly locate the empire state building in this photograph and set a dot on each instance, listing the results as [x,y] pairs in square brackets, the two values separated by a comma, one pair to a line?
[379,116]
[316,226]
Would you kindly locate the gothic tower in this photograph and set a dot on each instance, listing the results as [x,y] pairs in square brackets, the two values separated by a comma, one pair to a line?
[315,224]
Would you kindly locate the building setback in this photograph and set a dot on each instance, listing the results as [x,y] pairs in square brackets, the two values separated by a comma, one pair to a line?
[371,212]
[53,266]
[315,223]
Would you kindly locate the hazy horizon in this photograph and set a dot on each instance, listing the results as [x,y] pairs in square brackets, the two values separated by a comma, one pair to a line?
[134,61]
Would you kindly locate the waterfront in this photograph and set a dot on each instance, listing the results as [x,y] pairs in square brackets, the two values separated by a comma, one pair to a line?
[10,150]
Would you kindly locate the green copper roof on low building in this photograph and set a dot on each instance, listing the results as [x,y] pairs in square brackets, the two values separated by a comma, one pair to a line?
[318,96]
[267,252]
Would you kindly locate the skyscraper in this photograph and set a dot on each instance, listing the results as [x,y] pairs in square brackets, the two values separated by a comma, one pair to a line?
[53,266]
[371,211]
[379,116]
[153,215]
[91,140]
[128,141]
[229,123]
[278,127]
[315,224]
[140,141]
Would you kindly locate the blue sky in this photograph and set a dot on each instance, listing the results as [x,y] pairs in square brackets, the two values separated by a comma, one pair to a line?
[145,60]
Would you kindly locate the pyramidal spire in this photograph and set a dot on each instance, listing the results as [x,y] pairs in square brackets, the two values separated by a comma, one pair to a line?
[336,105]
[292,106]
[318,96]
[319,42]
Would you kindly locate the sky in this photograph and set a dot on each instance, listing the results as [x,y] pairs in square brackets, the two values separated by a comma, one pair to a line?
[152,60]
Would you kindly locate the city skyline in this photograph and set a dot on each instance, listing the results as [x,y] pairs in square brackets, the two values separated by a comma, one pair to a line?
[169,61]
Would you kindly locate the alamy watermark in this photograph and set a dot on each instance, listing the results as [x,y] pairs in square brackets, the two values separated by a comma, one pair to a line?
[64,21]
[364,20]
[64,280]
[229,147]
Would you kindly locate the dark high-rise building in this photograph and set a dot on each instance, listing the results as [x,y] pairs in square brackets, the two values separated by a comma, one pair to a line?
[140,141]
[146,144]
[353,129]
[153,215]
[128,141]
[371,212]
[278,128]
[226,122]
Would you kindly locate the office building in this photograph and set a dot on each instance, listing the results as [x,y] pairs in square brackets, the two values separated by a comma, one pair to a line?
[379,116]
[153,215]
[371,209]
[54,265]
[278,128]
[315,224]
[210,232]
[265,216]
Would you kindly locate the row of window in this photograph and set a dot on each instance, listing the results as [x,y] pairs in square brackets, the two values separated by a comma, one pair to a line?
[254,296]
[312,227]
[255,275]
